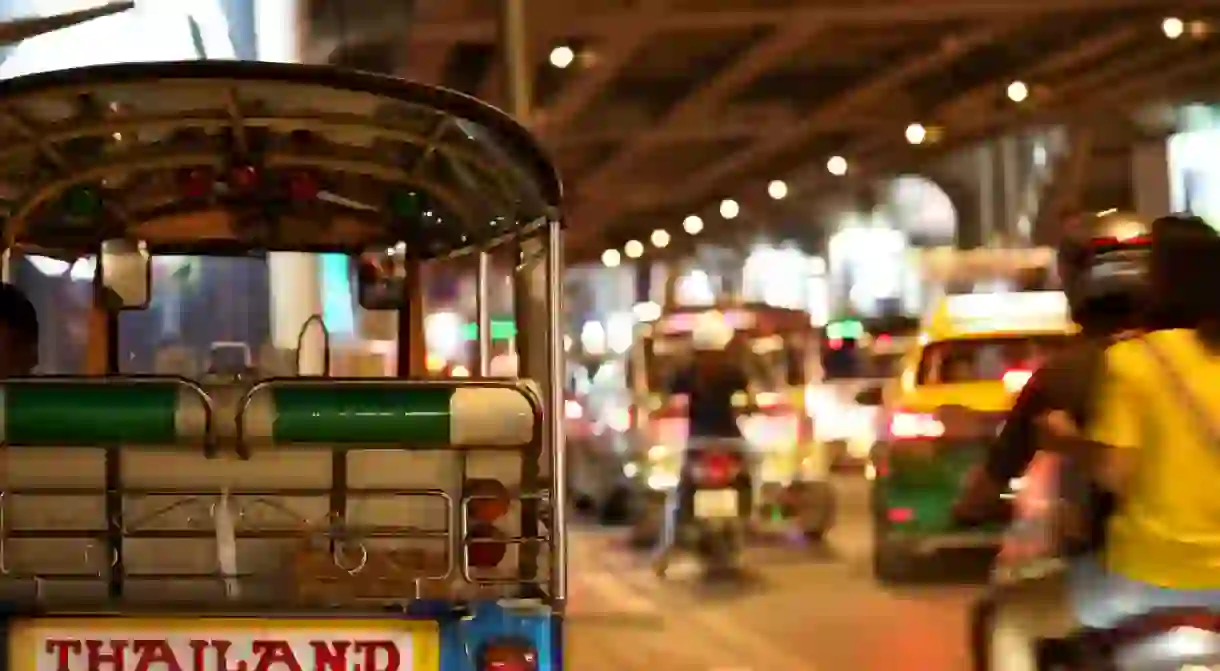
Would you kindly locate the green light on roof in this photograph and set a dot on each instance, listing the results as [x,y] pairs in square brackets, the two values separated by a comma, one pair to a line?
[501,329]
[82,201]
[849,329]
[407,203]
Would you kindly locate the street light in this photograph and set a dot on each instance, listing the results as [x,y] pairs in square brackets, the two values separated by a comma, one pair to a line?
[916,133]
[1018,91]
[837,166]
[634,249]
[777,189]
[1173,27]
[611,258]
[729,209]
[693,225]
[660,238]
[562,57]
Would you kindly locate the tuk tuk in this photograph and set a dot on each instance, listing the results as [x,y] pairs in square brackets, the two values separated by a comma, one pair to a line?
[777,350]
[245,521]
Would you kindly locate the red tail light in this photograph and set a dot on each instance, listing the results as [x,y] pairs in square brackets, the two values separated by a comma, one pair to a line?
[485,546]
[508,656]
[900,515]
[1015,380]
[1135,241]
[716,469]
[487,500]
[913,426]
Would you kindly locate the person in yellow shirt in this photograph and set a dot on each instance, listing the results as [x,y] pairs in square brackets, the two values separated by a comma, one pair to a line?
[1155,443]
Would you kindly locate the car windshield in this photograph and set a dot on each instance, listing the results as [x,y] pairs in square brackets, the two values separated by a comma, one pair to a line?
[984,360]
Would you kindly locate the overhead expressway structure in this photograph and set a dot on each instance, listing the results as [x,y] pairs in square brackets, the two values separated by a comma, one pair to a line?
[660,110]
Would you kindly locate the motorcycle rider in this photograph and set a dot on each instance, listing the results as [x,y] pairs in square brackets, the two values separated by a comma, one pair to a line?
[1103,267]
[707,387]
[1155,444]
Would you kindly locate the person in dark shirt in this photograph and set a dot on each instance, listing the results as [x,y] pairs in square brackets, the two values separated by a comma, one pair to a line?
[1103,265]
[707,386]
[18,332]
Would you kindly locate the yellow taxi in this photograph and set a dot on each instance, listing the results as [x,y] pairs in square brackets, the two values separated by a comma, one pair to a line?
[942,412]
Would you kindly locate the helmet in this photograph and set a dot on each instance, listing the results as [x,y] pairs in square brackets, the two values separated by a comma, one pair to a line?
[711,331]
[1103,259]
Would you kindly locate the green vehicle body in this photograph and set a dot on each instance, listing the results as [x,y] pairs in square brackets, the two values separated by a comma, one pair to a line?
[917,482]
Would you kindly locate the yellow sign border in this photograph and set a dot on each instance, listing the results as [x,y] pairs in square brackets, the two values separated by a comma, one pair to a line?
[24,633]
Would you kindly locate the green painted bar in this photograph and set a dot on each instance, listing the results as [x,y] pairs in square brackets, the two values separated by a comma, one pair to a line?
[335,414]
[83,414]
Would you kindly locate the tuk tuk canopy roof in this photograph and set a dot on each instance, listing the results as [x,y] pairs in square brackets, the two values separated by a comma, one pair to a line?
[232,156]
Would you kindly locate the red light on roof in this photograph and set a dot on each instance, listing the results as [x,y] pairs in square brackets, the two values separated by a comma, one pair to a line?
[243,177]
[882,339]
[196,183]
[303,186]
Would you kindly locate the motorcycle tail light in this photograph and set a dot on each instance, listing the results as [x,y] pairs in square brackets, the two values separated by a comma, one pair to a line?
[716,469]
[508,656]
[487,500]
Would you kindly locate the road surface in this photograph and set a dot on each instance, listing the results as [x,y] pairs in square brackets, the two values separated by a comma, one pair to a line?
[805,610]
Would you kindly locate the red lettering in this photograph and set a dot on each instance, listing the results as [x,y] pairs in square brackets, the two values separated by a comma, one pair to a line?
[98,653]
[197,648]
[155,652]
[63,649]
[370,649]
[330,655]
[271,653]
[222,657]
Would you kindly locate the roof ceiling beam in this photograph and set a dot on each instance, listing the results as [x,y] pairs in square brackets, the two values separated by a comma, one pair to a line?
[1126,82]
[878,12]
[592,215]
[1098,90]
[613,56]
[426,62]
[709,96]
[1083,51]
[844,104]
[704,130]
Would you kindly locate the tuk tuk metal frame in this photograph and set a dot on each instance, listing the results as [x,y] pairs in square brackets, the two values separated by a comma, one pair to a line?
[62,122]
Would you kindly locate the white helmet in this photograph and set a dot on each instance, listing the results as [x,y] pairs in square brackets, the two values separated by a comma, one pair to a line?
[711,331]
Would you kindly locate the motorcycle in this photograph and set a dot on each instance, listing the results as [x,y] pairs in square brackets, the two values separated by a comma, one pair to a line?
[1045,518]
[1167,640]
[714,497]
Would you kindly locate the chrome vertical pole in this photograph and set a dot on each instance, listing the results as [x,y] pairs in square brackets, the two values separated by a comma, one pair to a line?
[540,357]
[555,417]
[483,313]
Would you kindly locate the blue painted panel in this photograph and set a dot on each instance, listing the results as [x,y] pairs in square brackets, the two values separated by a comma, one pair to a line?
[462,638]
